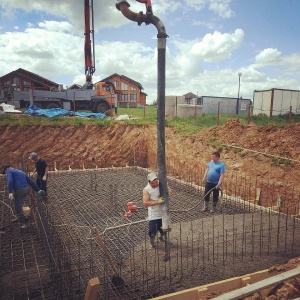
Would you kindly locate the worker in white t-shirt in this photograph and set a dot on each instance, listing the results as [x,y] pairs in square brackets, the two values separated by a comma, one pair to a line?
[153,201]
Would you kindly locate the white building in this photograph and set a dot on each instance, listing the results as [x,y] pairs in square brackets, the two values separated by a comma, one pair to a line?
[276,102]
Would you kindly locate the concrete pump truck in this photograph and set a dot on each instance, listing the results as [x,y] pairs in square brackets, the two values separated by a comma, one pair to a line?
[99,97]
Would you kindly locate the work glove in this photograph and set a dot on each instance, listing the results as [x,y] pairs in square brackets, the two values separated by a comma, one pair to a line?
[160,200]
[44,178]
[218,187]
[42,193]
[204,179]
[11,196]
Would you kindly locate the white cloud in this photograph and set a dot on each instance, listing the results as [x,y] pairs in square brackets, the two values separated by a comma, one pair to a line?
[280,65]
[202,23]
[293,63]
[105,12]
[196,4]
[54,26]
[268,56]
[219,7]
[217,46]
[46,52]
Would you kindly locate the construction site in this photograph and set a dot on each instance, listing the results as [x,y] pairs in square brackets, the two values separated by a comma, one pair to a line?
[83,241]
[81,235]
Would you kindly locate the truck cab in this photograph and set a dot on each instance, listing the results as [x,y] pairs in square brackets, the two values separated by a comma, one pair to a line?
[106,91]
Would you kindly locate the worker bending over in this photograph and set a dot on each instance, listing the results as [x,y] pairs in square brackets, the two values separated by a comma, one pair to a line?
[18,184]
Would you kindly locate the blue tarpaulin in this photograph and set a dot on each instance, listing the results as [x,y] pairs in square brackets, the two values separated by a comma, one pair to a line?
[56,112]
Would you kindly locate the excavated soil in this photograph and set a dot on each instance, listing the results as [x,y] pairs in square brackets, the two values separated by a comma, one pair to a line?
[269,152]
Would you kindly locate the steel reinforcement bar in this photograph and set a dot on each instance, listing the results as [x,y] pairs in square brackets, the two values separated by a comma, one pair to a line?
[203,245]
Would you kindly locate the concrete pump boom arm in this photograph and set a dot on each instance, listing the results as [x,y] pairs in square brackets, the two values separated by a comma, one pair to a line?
[89,55]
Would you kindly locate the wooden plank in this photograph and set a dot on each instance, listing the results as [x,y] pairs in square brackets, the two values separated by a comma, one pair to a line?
[275,208]
[225,285]
[220,286]
[257,198]
[250,289]
[260,275]
[246,281]
[92,289]
[188,295]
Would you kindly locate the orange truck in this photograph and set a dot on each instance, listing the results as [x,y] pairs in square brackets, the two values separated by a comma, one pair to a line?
[101,99]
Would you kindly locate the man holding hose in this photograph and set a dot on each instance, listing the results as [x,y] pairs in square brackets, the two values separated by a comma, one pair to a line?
[153,201]
[214,176]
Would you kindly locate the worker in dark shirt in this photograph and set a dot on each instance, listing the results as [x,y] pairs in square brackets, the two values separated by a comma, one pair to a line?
[18,184]
[41,169]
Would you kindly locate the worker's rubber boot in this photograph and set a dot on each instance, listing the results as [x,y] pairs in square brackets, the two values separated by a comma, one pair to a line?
[205,207]
[152,243]
[162,237]
[213,209]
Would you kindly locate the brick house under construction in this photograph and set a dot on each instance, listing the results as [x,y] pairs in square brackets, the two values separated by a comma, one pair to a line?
[128,90]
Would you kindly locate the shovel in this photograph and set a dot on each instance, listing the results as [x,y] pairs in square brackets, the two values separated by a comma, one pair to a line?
[117,281]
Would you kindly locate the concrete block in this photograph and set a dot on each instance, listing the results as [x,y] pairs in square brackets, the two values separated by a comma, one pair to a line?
[186,110]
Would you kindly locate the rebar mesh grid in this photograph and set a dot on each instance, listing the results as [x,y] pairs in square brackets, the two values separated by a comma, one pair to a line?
[24,271]
[202,248]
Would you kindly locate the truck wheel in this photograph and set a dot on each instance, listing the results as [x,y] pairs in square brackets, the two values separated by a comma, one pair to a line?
[37,104]
[102,108]
[53,105]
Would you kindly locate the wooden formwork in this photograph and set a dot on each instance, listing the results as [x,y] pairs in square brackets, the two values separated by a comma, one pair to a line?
[233,288]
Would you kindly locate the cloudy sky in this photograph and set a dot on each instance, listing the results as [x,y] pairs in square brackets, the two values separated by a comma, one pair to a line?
[209,43]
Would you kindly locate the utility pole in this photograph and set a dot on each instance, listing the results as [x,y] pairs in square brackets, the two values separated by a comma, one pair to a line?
[238,97]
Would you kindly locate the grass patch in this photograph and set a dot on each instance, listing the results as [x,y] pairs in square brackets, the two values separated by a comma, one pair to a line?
[281,161]
[215,142]
[148,115]
[237,150]
[149,112]
[56,121]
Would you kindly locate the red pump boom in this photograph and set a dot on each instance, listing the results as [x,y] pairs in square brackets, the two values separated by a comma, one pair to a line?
[148,5]
[89,54]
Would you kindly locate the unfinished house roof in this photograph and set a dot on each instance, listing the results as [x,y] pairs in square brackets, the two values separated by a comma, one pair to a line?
[190,95]
[125,78]
[30,77]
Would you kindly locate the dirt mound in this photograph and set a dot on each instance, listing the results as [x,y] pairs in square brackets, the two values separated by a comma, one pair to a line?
[271,152]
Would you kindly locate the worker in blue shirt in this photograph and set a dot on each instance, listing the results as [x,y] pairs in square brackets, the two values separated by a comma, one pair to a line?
[214,176]
[18,184]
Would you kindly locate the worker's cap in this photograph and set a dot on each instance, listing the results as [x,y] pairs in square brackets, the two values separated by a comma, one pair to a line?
[152,176]
[5,167]
[32,155]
